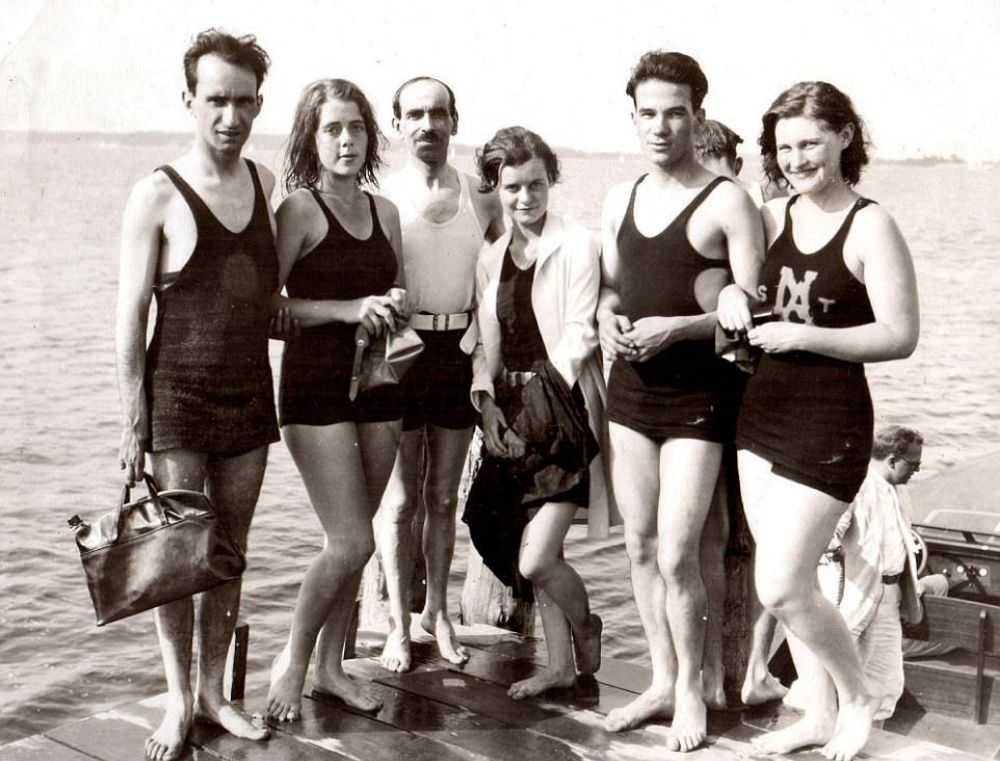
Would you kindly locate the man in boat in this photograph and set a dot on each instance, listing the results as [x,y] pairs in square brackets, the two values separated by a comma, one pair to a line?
[197,403]
[670,240]
[444,223]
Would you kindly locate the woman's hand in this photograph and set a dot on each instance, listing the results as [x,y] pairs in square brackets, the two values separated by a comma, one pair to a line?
[733,309]
[378,315]
[611,329]
[778,337]
[651,335]
[284,327]
[514,444]
[494,427]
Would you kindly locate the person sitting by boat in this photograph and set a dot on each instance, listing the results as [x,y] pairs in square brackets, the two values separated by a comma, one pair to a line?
[538,384]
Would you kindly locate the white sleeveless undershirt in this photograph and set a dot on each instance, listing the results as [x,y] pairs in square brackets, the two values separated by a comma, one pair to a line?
[439,258]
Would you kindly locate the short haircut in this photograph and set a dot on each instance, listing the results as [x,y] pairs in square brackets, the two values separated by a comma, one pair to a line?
[513,146]
[677,68]
[822,102]
[452,108]
[894,440]
[716,140]
[239,51]
[302,167]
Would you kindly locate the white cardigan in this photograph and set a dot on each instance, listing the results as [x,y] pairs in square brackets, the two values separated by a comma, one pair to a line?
[564,296]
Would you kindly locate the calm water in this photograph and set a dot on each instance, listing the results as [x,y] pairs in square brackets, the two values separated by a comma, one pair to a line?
[60,208]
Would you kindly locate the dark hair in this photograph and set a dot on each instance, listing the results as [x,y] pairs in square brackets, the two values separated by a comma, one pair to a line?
[824,103]
[513,146]
[894,440]
[302,168]
[678,68]
[239,51]
[715,139]
[452,108]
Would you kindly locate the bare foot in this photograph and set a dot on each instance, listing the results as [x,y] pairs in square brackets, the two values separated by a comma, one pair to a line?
[689,727]
[854,724]
[396,651]
[235,721]
[284,698]
[540,682]
[587,647]
[713,690]
[809,730]
[167,742]
[444,633]
[342,687]
[654,703]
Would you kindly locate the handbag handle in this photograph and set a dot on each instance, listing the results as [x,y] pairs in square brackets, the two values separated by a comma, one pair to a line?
[361,342]
[154,497]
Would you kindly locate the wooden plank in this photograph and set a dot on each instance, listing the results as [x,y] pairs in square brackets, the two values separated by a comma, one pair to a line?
[458,727]
[939,689]
[40,748]
[956,622]
[116,735]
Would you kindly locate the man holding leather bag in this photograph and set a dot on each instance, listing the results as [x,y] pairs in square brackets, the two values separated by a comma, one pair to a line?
[199,400]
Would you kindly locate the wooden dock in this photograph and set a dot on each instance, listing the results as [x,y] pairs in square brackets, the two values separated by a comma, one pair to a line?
[439,712]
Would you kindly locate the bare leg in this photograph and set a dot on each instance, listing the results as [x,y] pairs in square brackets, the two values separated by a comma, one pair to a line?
[792,525]
[331,462]
[759,684]
[635,474]
[446,453]
[562,597]
[378,445]
[399,505]
[713,570]
[689,471]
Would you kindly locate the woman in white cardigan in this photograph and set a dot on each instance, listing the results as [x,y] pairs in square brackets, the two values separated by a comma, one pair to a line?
[537,288]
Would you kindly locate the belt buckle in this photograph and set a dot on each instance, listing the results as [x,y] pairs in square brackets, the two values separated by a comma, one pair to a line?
[434,322]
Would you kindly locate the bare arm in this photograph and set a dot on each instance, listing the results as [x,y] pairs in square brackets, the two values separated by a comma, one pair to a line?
[879,249]
[142,231]
[611,324]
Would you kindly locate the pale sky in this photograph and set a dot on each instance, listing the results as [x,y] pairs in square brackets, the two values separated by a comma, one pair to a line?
[923,74]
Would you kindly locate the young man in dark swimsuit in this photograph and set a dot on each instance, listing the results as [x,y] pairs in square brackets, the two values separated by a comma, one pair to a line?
[198,401]
[671,241]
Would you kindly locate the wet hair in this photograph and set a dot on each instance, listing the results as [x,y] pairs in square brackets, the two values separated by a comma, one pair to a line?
[677,68]
[513,146]
[716,140]
[239,51]
[302,167]
[894,440]
[824,103]
[452,108]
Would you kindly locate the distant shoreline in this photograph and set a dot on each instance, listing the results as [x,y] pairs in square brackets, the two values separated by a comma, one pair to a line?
[274,142]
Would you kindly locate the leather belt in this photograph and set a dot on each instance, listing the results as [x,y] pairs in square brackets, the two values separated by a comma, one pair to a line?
[429,321]
[892,578]
[517,377]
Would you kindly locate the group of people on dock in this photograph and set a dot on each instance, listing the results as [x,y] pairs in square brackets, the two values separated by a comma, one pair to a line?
[591,367]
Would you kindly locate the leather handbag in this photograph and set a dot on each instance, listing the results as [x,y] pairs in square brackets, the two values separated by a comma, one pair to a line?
[382,361]
[163,547]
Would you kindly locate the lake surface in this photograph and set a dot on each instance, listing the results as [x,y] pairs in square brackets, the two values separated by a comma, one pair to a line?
[60,211]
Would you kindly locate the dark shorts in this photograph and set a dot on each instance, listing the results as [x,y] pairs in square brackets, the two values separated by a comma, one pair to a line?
[435,390]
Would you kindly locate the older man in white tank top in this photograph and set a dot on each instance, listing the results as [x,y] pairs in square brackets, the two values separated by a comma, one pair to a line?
[444,222]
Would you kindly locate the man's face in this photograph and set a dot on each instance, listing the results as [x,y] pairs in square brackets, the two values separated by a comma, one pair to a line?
[901,469]
[224,104]
[425,122]
[665,121]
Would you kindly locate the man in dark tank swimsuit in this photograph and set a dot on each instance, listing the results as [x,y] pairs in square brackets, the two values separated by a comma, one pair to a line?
[670,241]
[198,234]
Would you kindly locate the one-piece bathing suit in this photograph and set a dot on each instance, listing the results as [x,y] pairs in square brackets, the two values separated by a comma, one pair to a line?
[316,366]
[811,415]
[208,379]
[683,391]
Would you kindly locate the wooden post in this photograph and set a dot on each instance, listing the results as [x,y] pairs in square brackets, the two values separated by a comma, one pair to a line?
[737,619]
[236,663]
[485,599]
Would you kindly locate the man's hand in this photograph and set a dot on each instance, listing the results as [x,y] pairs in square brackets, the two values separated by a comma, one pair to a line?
[494,427]
[284,327]
[733,309]
[651,335]
[612,329]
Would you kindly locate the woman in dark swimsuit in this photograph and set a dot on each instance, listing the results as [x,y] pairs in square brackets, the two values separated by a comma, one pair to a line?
[839,277]
[338,249]
[537,287]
